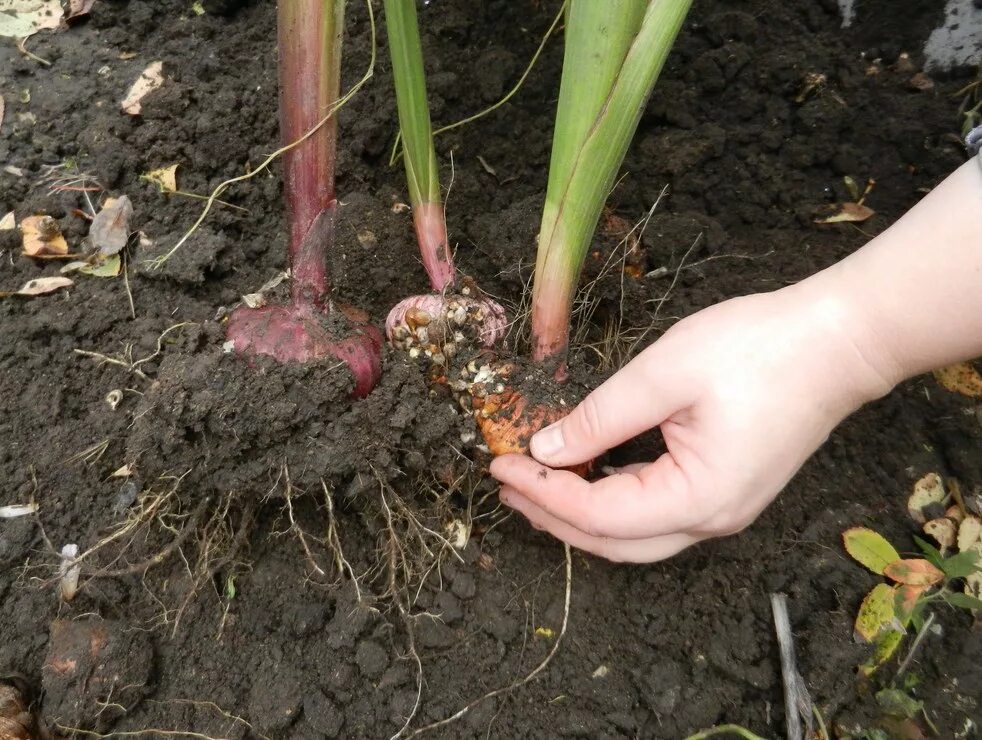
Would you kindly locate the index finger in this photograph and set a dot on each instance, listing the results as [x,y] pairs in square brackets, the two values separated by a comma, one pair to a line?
[654,501]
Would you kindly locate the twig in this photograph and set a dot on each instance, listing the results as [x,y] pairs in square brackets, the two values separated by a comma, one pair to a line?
[922,633]
[797,703]
[521,682]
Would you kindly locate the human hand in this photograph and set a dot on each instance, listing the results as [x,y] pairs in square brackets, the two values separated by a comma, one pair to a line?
[744,393]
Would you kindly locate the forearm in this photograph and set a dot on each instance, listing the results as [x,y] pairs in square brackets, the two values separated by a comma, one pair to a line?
[914,293]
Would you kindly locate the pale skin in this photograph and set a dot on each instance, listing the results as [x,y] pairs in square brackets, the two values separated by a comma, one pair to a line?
[745,391]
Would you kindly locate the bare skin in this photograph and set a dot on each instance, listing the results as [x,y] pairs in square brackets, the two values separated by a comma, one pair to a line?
[745,391]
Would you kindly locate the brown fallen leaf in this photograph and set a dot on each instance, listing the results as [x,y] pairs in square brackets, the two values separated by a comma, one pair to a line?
[921,82]
[961,378]
[150,79]
[848,212]
[41,237]
[39,286]
[78,8]
[110,229]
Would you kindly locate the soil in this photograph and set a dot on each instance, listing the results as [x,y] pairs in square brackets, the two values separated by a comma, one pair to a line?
[214,601]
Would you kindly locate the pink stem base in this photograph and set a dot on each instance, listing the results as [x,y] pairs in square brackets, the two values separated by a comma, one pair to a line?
[301,333]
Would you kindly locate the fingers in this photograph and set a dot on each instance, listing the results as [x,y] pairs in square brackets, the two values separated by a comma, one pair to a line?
[639,397]
[631,551]
[655,501]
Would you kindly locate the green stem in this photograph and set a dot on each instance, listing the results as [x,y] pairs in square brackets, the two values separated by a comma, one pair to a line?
[612,58]
[419,154]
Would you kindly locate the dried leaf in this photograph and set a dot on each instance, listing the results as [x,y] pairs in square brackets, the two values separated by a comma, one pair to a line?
[915,572]
[961,378]
[165,178]
[108,267]
[77,8]
[74,266]
[8,222]
[110,229]
[254,300]
[69,572]
[943,530]
[22,18]
[875,613]
[40,286]
[927,491]
[921,82]
[124,472]
[848,212]
[955,514]
[150,79]
[16,510]
[970,533]
[869,548]
[41,236]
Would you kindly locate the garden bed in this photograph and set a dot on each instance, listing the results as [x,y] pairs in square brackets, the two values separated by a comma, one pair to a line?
[246,625]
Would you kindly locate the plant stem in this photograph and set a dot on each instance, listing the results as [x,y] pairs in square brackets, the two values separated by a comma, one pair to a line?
[309,75]
[614,53]
[419,154]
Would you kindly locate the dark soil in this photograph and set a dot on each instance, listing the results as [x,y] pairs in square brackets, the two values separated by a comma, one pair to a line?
[208,614]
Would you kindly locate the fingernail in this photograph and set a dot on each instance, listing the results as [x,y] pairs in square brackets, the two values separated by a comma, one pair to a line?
[547,443]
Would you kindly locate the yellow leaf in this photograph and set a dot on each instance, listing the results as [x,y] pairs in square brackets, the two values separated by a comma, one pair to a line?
[961,378]
[886,645]
[544,632]
[41,237]
[869,548]
[165,178]
[848,212]
[876,612]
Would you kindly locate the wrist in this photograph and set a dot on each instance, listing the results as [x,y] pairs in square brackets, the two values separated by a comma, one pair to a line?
[844,327]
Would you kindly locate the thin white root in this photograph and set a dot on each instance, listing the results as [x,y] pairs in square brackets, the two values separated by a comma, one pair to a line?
[523,681]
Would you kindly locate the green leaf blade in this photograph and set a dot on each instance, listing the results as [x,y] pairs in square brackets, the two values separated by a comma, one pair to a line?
[869,548]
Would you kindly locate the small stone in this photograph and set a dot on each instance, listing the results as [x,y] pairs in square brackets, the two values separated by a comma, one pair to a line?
[372,659]
[439,358]
[464,586]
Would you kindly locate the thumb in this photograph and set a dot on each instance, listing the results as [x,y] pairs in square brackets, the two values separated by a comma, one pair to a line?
[637,398]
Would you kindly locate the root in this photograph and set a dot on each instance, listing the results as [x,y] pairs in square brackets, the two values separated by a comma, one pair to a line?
[126,361]
[334,543]
[527,679]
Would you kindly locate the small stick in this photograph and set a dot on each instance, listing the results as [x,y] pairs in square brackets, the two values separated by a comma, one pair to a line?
[796,699]
[918,641]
